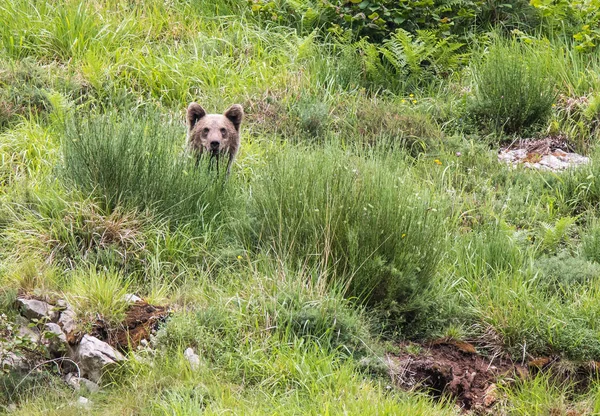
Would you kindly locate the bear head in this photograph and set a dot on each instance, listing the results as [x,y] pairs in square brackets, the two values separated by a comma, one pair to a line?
[214,133]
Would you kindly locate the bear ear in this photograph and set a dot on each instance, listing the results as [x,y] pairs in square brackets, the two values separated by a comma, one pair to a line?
[194,113]
[235,114]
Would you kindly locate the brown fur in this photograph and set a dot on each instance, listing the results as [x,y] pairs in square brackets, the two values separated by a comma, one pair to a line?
[214,134]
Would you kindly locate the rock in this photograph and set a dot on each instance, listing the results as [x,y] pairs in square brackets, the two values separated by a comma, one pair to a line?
[558,160]
[36,309]
[12,362]
[131,298]
[68,324]
[30,333]
[192,358]
[490,396]
[79,382]
[55,339]
[560,153]
[84,402]
[553,162]
[94,355]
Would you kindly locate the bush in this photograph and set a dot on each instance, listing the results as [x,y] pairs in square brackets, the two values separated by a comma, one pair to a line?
[362,221]
[377,19]
[135,161]
[514,86]
[563,272]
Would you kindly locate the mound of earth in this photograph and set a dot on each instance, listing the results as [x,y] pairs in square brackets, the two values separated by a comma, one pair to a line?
[453,368]
[141,319]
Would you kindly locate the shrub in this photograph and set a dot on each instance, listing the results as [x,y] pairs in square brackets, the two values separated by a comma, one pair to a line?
[514,86]
[135,161]
[363,221]
[564,271]
[312,113]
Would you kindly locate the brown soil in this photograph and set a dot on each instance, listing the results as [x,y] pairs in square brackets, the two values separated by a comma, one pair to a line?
[453,368]
[140,321]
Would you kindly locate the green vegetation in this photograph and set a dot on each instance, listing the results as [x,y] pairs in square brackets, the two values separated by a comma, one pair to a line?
[366,207]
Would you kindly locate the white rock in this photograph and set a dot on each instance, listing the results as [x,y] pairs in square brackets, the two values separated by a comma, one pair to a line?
[553,162]
[67,321]
[84,402]
[192,358]
[94,355]
[36,309]
[131,298]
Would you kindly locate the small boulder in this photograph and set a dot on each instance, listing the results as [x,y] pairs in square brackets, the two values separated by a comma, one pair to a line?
[36,309]
[131,298]
[32,334]
[94,356]
[192,358]
[68,324]
[55,339]
[79,383]
[12,362]
[84,402]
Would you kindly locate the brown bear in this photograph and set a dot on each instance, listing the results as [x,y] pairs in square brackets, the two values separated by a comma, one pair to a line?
[214,134]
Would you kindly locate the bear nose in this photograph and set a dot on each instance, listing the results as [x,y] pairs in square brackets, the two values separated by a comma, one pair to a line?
[214,145]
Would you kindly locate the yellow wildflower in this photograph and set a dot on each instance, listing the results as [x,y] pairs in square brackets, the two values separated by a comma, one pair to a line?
[437,162]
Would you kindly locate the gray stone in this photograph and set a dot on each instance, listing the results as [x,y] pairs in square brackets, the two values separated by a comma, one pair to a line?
[79,383]
[67,321]
[55,339]
[36,309]
[192,358]
[12,362]
[30,333]
[93,356]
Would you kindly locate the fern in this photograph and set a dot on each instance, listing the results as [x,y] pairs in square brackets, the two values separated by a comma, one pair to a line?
[421,57]
[553,235]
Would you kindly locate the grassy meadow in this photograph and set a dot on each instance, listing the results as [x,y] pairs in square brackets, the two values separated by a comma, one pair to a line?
[366,207]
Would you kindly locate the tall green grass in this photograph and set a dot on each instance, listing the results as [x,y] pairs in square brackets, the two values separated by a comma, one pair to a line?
[364,221]
[138,161]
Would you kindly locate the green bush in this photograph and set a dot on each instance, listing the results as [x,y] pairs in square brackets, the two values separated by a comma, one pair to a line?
[367,224]
[514,86]
[564,271]
[134,160]
[377,19]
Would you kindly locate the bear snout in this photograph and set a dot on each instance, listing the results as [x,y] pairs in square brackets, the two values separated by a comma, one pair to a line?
[214,145]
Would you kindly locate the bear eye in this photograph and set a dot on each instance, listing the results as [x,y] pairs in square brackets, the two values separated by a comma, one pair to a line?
[205,130]
[223,131]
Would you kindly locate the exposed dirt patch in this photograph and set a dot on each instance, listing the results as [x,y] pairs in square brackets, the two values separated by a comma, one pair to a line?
[453,368]
[140,321]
